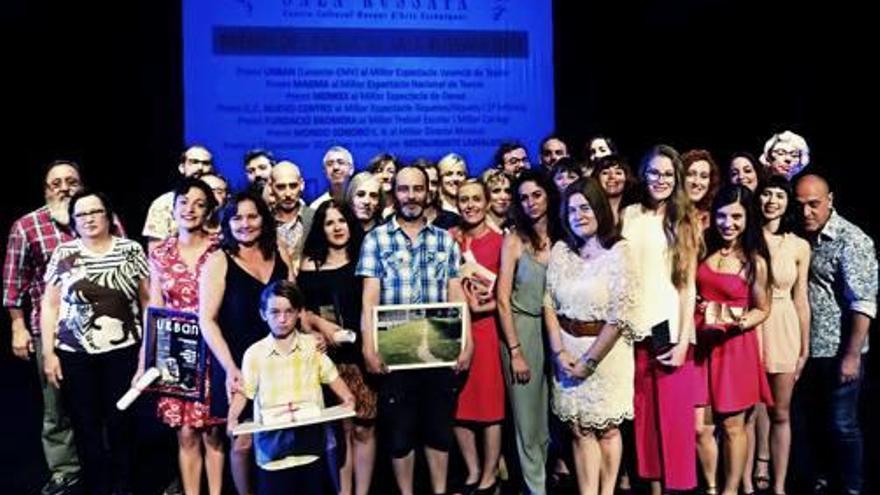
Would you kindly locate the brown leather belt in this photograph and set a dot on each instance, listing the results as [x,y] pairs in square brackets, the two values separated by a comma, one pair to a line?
[580,328]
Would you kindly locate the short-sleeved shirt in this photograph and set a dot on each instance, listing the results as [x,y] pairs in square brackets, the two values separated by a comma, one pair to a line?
[410,271]
[843,279]
[273,378]
[100,307]
[32,240]
[160,223]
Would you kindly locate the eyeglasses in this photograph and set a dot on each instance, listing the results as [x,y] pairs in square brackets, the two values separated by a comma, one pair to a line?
[654,175]
[90,213]
[796,154]
[58,183]
[196,161]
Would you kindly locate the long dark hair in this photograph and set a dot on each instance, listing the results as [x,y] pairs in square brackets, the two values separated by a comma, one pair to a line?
[316,247]
[789,221]
[525,226]
[268,237]
[606,230]
[752,240]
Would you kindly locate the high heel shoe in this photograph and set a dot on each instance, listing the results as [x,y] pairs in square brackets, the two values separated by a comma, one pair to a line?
[489,490]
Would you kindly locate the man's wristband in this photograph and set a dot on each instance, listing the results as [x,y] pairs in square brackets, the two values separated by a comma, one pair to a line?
[514,347]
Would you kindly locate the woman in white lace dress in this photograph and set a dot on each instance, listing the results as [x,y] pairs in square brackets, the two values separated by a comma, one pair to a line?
[586,311]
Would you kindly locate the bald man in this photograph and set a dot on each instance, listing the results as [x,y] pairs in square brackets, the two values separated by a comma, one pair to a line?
[843,301]
[293,216]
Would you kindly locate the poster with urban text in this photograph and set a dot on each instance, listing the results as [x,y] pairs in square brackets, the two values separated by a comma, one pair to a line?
[176,348]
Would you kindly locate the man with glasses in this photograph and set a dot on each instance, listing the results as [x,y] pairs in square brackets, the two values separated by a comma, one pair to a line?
[512,159]
[160,225]
[32,239]
[338,168]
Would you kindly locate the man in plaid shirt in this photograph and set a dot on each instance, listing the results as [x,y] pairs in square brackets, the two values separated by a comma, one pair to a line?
[409,261]
[32,239]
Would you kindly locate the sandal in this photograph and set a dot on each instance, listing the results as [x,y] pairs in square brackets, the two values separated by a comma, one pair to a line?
[761,481]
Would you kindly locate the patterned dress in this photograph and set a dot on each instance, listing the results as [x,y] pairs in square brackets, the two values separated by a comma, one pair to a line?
[593,290]
[180,291]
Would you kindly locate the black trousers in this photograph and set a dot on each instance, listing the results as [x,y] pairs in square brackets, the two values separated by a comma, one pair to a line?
[91,386]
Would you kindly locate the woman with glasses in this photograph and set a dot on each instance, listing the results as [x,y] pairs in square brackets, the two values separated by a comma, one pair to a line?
[786,154]
[665,240]
[90,319]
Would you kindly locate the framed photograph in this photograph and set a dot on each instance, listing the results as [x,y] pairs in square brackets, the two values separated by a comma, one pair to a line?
[411,336]
[175,346]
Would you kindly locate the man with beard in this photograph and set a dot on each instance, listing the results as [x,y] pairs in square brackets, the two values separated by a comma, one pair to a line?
[410,261]
[552,148]
[160,224]
[512,158]
[32,239]
[338,168]
[294,218]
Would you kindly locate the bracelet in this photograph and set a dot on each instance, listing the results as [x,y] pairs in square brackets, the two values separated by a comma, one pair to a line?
[514,347]
[591,364]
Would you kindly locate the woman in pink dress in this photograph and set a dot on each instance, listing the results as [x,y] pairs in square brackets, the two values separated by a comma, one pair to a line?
[664,240]
[733,284]
[481,400]
[175,266]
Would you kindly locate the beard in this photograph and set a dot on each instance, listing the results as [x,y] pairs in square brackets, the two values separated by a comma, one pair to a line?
[58,208]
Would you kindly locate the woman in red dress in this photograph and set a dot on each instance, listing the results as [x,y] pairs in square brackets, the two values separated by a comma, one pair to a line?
[175,266]
[733,284]
[481,401]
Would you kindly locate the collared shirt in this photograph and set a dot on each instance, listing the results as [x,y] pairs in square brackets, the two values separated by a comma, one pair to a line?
[160,222]
[410,271]
[32,240]
[320,200]
[843,279]
[273,377]
[292,234]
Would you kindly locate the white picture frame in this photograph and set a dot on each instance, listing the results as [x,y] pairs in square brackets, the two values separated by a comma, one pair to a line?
[418,336]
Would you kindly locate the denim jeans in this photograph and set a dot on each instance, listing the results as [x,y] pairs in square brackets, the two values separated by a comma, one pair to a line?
[826,433]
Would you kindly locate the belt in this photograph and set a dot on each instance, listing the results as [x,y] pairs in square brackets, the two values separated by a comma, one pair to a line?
[580,328]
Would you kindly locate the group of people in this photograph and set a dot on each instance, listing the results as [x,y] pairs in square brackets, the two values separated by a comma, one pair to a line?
[637,325]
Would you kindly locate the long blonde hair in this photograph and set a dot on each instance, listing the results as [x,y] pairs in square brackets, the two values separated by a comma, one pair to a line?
[680,223]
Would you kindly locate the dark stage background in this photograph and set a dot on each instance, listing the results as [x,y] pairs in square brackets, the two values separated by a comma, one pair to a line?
[102,84]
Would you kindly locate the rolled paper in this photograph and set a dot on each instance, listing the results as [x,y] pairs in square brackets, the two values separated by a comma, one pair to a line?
[143,382]
[343,336]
